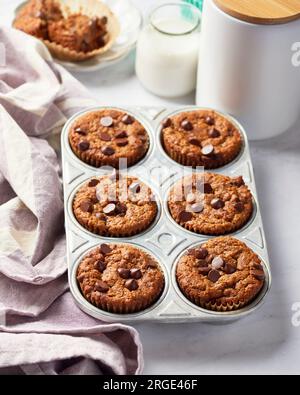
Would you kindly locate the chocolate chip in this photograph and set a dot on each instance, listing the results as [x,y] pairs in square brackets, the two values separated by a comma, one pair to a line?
[100,216]
[229,269]
[124,273]
[40,15]
[135,187]
[101,286]
[204,270]
[104,20]
[80,131]
[84,145]
[214,133]
[210,121]
[121,134]
[197,208]
[217,204]
[217,263]
[204,187]
[122,142]
[194,141]
[127,119]
[214,276]
[84,46]
[93,183]
[105,137]
[121,208]
[166,123]
[81,277]
[239,207]
[105,249]
[108,151]
[151,264]
[100,266]
[107,121]
[202,263]
[199,253]
[132,285]
[86,206]
[110,209]
[258,266]
[259,275]
[136,274]
[208,150]
[186,125]
[100,42]
[238,181]
[185,216]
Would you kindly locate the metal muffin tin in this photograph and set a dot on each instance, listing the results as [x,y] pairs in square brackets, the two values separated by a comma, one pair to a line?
[165,239]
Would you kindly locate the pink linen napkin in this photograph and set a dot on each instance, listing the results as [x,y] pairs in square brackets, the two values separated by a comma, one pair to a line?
[41,329]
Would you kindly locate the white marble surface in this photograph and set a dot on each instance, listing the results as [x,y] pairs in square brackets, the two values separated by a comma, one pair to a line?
[266,342]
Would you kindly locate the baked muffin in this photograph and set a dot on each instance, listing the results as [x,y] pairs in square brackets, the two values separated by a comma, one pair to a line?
[102,138]
[71,30]
[222,274]
[201,138]
[79,33]
[115,206]
[35,16]
[120,278]
[210,204]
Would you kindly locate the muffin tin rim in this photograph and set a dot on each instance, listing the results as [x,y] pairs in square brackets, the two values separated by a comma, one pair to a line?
[83,301]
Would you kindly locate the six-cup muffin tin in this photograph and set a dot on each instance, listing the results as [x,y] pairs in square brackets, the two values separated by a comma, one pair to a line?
[165,239]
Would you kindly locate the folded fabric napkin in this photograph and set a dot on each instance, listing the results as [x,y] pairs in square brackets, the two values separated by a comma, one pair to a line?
[41,329]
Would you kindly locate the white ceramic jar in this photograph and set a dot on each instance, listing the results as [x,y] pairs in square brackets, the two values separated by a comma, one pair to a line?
[249,70]
[167,50]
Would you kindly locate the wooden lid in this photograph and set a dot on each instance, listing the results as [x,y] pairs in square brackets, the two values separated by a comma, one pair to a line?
[266,12]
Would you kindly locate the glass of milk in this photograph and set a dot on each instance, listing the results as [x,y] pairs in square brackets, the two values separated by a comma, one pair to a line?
[167,50]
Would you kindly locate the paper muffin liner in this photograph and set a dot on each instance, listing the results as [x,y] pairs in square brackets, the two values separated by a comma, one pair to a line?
[141,227]
[91,8]
[219,230]
[185,160]
[134,306]
[91,160]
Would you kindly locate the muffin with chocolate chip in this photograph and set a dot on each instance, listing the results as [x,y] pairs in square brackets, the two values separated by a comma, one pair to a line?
[79,32]
[222,274]
[108,136]
[35,16]
[120,278]
[115,206]
[201,138]
[72,30]
[210,204]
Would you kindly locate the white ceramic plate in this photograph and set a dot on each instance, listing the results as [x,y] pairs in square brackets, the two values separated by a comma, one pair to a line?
[131,22]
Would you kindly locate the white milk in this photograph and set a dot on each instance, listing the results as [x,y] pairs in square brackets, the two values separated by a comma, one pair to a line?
[167,56]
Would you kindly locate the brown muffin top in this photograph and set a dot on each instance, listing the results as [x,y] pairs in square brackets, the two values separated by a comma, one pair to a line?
[222,271]
[210,203]
[79,32]
[120,278]
[201,138]
[34,17]
[115,206]
[104,137]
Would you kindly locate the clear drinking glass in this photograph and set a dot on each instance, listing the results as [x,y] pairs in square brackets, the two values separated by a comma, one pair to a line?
[168,48]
